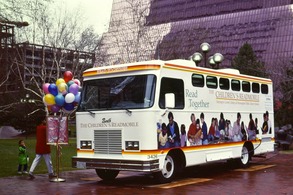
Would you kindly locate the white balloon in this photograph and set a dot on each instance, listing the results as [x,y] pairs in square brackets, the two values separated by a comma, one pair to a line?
[69,98]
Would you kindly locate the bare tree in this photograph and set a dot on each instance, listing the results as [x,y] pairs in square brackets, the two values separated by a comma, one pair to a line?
[56,40]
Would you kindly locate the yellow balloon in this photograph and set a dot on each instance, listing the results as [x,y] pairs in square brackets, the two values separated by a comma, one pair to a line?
[49,99]
[62,87]
[59,81]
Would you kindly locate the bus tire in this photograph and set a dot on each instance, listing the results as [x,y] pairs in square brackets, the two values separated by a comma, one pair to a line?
[245,157]
[107,175]
[167,174]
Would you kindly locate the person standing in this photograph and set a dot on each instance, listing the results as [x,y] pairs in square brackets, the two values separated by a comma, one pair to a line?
[183,137]
[237,129]
[22,157]
[42,151]
[265,124]
[204,130]
[269,123]
[173,132]
[251,128]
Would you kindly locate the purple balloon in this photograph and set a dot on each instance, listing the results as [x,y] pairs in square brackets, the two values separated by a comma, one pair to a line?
[73,88]
[53,89]
[55,108]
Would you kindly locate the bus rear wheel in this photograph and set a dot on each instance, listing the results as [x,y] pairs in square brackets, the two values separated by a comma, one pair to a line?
[245,157]
[107,175]
[168,171]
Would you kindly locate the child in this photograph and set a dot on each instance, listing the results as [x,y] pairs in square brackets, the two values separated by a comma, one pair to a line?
[22,157]
[163,137]
[199,134]
[183,136]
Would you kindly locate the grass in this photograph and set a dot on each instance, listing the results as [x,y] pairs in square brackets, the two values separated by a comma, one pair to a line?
[9,156]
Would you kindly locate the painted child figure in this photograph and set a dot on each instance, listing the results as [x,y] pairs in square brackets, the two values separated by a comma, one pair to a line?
[22,157]
[183,137]
[163,137]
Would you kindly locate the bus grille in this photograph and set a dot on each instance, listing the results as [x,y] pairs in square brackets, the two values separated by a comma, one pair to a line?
[108,142]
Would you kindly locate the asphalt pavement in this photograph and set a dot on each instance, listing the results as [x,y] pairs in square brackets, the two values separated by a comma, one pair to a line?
[270,175]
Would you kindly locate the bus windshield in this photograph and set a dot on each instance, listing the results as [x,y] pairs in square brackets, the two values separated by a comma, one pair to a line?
[125,92]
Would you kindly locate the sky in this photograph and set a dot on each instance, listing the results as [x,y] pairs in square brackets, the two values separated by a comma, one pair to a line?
[96,12]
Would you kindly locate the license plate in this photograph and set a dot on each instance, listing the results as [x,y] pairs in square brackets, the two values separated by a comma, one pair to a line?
[81,165]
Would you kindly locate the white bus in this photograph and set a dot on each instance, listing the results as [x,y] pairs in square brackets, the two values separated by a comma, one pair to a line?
[123,108]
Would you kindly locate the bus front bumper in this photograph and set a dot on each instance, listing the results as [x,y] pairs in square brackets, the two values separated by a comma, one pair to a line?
[112,164]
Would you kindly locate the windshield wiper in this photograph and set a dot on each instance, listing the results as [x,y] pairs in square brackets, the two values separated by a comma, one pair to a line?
[129,112]
[91,112]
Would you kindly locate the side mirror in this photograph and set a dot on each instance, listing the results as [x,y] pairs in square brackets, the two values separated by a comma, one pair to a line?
[169,100]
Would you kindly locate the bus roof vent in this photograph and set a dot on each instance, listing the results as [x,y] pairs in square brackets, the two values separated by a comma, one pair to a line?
[229,71]
[188,63]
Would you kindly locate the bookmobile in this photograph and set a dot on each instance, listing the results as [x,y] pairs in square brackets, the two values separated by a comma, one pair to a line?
[123,108]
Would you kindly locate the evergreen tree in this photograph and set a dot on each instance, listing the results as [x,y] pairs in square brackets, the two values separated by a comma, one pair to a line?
[247,63]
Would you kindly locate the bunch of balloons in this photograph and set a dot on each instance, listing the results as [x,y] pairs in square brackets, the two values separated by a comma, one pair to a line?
[64,94]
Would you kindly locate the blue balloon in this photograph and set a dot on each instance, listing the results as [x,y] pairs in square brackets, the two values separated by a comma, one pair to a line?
[59,99]
[53,89]
[68,106]
[77,97]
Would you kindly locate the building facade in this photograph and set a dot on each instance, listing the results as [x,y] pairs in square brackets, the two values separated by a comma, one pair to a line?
[169,29]
[25,64]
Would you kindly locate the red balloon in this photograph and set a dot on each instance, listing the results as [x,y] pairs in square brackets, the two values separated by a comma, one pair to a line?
[67,76]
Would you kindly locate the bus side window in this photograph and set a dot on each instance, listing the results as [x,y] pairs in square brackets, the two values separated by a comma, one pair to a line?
[175,86]
[224,84]
[245,86]
[197,80]
[255,88]
[264,89]
[235,84]
[212,82]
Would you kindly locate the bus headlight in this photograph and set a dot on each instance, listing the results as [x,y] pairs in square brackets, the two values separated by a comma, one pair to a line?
[132,145]
[85,144]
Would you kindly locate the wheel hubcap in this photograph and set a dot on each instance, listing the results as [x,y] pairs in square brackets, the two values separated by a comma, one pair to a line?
[168,167]
[244,156]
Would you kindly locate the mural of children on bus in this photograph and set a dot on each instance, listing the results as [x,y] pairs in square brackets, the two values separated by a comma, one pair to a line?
[183,137]
[204,130]
[194,131]
[173,132]
[199,134]
[163,137]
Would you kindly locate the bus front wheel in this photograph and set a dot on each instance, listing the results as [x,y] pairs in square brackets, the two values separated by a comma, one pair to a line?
[107,175]
[167,173]
[244,159]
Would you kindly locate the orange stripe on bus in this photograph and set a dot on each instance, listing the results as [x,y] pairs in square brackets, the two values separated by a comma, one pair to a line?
[185,149]
[110,70]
